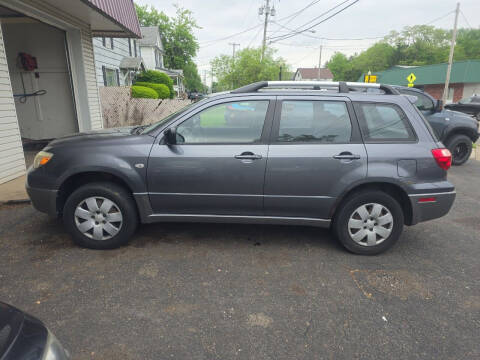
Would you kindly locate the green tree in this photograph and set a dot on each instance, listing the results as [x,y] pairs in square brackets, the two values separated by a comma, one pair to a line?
[179,41]
[414,45]
[247,68]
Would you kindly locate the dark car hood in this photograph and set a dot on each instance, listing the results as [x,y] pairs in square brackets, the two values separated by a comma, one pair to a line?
[11,321]
[458,118]
[21,335]
[92,135]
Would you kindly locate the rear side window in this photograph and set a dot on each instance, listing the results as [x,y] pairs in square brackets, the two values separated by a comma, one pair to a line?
[314,121]
[385,122]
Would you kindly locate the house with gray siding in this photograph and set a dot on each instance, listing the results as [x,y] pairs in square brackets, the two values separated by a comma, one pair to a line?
[117,60]
[48,79]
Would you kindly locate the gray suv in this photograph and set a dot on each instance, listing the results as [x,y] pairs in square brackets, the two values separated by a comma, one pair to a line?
[290,153]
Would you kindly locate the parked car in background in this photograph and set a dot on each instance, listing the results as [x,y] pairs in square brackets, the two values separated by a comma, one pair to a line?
[456,130]
[195,96]
[23,337]
[269,152]
[470,105]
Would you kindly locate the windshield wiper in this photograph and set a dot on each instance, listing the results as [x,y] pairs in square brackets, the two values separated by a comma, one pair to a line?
[138,129]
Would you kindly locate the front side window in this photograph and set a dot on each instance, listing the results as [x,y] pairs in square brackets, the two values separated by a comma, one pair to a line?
[385,122]
[234,122]
[314,121]
[423,103]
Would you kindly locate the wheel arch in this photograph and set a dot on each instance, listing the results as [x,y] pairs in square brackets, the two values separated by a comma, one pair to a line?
[393,189]
[74,181]
[450,133]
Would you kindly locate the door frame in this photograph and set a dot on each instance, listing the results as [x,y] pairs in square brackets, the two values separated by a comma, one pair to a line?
[355,137]
[74,55]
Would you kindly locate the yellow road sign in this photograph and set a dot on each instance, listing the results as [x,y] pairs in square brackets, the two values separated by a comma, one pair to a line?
[370,78]
[411,78]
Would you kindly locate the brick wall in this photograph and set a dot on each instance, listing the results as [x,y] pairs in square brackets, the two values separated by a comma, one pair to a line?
[436,91]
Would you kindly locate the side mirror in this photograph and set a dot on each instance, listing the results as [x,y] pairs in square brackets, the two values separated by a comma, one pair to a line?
[170,136]
[438,106]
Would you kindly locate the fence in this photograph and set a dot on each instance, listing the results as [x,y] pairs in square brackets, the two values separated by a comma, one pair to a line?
[119,109]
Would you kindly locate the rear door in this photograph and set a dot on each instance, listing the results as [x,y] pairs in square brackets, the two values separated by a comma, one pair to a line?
[218,165]
[315,153]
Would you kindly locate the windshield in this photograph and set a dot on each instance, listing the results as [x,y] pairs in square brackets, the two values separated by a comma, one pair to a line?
[166,119]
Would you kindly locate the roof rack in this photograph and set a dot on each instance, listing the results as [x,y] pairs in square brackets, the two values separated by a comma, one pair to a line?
[342,86]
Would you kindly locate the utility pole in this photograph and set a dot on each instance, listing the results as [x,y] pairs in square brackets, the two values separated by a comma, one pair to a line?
[450,57]
[320,63]
[234,45]
[267,11]
[280,73]
[205,77]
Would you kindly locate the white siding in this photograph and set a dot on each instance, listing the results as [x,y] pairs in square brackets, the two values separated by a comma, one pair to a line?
[12,163]
[470,89]
[111,58]
[148,56]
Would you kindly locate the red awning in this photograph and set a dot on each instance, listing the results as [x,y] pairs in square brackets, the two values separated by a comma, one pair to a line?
[121,12]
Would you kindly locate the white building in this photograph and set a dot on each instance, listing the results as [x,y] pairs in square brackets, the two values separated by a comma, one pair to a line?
[48,84]
[151,51]
[117,60]
[310,74]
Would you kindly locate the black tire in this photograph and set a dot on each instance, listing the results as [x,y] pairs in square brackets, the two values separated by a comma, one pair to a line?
[121,198]
[461,148]
[349,206]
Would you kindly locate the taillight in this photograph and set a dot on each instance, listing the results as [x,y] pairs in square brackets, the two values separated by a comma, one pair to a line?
[443,157]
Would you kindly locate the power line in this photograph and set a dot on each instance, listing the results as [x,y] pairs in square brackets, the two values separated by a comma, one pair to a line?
[320,22]
[440,18]
[211,42]
[465,18]
[295,14]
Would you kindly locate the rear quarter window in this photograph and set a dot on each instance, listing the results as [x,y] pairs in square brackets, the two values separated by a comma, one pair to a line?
[383,122]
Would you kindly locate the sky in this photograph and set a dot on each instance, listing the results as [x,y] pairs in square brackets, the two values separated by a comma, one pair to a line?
[364,20]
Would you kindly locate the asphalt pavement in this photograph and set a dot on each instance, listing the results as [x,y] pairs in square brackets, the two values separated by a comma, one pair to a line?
[209,291]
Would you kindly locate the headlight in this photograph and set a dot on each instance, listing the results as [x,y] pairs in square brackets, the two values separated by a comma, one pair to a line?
[54,350]
[41,159]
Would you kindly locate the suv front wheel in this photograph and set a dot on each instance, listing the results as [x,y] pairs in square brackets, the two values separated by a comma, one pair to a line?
[369,222]
[100,216]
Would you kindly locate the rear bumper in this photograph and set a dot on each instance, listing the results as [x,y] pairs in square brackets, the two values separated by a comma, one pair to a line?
[430,206]
[43,200]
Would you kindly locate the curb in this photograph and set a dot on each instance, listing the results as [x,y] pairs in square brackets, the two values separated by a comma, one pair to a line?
[15,202]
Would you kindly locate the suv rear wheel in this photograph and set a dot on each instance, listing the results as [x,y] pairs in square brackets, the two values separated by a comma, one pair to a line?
[100,216]
[461,148]
[369,222]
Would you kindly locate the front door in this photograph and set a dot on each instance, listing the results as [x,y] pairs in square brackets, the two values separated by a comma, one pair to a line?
[218,165]
[315,154]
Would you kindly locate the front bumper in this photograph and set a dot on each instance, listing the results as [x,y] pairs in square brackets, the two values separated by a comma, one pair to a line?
[428,206]
[43,200]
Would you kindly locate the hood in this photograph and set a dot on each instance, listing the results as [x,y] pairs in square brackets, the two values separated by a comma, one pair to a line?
[456,117]
[92,135]
[21,335]
[11,321]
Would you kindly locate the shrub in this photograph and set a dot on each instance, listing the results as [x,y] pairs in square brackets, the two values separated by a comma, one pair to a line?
[143,92]
[161,89]
[157,77]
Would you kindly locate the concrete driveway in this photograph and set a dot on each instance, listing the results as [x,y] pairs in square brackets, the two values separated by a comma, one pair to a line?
[198,291]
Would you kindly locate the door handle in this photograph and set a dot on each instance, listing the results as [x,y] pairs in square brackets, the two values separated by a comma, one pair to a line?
[346,156]
[248,155]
